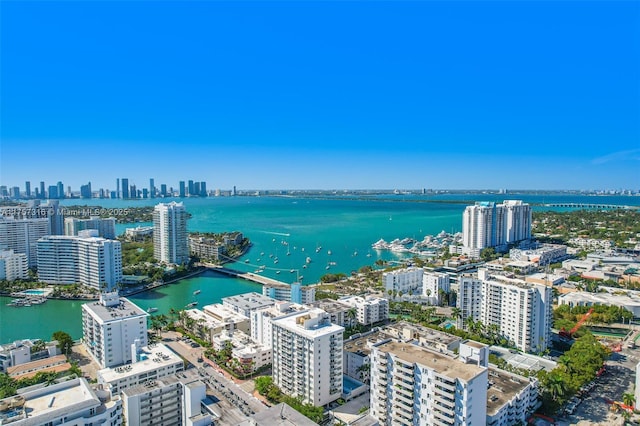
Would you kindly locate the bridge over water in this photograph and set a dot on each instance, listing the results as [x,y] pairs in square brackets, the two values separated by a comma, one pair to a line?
[589,206]
[249,276]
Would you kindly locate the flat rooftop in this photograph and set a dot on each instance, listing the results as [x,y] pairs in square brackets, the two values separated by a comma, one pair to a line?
[416,331]
[321,329]
[361,345]
[278,415]
[155,356]
[125,309]
[441,364]
[503,386]
[249,301]
[47,403]
[330,306]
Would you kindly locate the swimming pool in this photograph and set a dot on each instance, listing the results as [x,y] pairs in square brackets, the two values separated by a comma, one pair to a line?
[349,384]
[34,292]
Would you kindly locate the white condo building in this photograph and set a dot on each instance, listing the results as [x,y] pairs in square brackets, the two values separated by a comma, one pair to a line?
[151,362]
[22,235]
[13,266]
[86,259]
[262,321]
[487,224]
[403,280]
[169,401]
[295,293]
[110,327]
[106,227]
[432,283]
[369,309]
[170,243]
[70,403]
[411,385]
[521,310]
[307,357]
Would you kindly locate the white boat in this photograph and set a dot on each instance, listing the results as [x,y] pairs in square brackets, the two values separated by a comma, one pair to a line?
[151,310]
[246,261]
[308,260]
[292,271]
[355,253]
[277,272]
[327,267]
[329,252]
[304,266]
[196,292]
[192,304]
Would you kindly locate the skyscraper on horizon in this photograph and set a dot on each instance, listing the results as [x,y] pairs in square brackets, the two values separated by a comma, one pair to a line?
[152,188]
[125,188]
[170,242]
[42,192]
[27,189]
[182,189]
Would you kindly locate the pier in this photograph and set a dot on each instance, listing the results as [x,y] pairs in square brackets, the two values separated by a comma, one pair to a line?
[588,206]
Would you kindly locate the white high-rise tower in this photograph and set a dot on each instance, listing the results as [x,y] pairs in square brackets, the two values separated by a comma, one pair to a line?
[170,233]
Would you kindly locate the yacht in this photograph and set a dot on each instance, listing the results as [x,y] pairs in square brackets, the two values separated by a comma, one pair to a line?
[308,260]
[192,304]
[196,292]
[151,310]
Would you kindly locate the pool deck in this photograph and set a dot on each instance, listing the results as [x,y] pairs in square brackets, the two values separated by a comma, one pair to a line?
[44,292]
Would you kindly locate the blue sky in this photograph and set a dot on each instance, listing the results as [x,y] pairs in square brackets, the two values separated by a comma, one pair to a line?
[333,94]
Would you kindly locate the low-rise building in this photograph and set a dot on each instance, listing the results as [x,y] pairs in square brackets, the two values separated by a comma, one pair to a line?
[22,351]
[543,255]
[215,319]
[369,309]
[357,354]
[295,293]
[433,283]
[72,402]
[628,300]
[139,233]
[251,356]
[206,248]
[338,311]
[55,364]
[246,303]
[406,280]
[435,340]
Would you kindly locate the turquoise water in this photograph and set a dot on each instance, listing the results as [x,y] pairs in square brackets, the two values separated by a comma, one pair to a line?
[349,384]
[343,226]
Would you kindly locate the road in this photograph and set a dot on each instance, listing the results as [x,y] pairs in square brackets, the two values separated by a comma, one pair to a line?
[232,397]
[618,379]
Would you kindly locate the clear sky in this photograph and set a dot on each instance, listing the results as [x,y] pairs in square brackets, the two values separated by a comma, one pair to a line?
[332,94]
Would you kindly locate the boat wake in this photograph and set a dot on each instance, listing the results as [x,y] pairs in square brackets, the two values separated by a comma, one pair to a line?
[276,233]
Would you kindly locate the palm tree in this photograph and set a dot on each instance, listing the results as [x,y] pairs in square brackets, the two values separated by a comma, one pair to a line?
[428,293]
[351,316]
[456,312]
[629,399]
[556,386]
[363,372]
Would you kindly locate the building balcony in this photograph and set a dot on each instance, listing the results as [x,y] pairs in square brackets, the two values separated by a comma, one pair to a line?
[447,402]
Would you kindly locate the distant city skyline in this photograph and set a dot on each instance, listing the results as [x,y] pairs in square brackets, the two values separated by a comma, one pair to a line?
[321,95]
